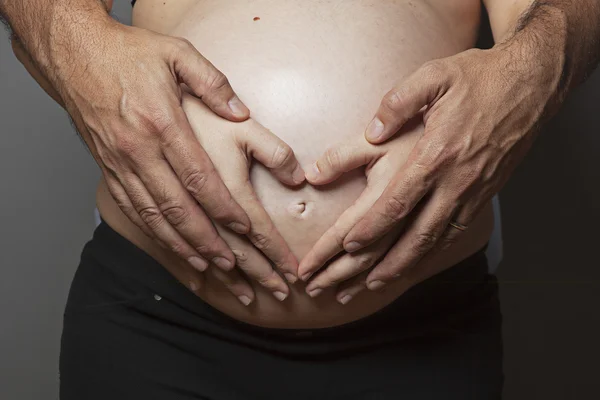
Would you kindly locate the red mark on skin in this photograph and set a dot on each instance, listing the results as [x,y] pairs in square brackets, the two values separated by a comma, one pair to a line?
[256,18]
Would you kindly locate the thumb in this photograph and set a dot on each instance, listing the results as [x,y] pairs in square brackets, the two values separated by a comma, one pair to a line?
[208,83]
[275,154]
[337,160]
[405,100]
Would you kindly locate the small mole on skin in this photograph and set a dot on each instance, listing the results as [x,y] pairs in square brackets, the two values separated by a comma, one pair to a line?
[256,18]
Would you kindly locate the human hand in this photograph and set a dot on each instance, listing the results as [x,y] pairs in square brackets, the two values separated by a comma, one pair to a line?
[232,148]
[123,91]
[481,111]
[349,270]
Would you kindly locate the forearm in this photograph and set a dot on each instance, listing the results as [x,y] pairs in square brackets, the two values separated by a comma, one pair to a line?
[562,35]
[23,57]
[52,32]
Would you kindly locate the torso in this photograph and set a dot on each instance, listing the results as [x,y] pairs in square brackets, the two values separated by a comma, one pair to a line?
[314,73]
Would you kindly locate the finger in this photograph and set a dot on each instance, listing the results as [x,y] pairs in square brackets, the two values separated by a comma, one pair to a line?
[337,160]
[350,264]
[420,237]
[255,265]
[177,210]
[263,234]
[463,217]
[196,281]
[409,186]
[151,215]
[331,242]
[348,290]
[235,283]
[199,177]
[273,153]
[405,100]
[207,82]
[122,200]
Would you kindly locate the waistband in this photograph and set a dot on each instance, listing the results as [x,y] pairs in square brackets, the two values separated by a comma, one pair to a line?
[442,304]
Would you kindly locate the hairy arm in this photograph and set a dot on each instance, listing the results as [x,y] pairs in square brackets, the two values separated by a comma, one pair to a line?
[153,165]
[44,31]
[482,112]
[23,56]
[561,36]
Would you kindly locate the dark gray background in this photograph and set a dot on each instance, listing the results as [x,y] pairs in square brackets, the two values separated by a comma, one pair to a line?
[550,277]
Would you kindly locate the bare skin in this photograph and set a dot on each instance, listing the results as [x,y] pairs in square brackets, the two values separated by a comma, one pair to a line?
[287,80]
[482,113]
[437,31]
[153,167]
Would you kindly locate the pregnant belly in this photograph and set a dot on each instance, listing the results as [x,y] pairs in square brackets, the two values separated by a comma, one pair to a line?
[314,74]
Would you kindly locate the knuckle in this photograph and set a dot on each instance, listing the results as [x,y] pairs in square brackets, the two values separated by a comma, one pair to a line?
[151,217]
[155,125]
[162,124]
[338,235]
[208,246]
[365,261]
[261,241]
[448,240]
[268,279]
[331,280]
[205,249]
[182,44]
[394,100]
[433,69]
[241,256]
[126,145]
[195,180]
[394,207]
[333,157]
[215,80]
[175,214]
[222,211]
[439,155]
[125,206]
[424,242]
[282,155]
[177,247]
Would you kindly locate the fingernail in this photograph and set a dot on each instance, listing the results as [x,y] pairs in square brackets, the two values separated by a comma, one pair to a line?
[237,107]
[222,263]
[375,129]
[194,286]
[238,227]
[198,263]
[352,246]
[315,292]
[245,300]
[298,174]
[280,295]
[306,276]
[314,172]
[290,277]
[375,285]
[345,299]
